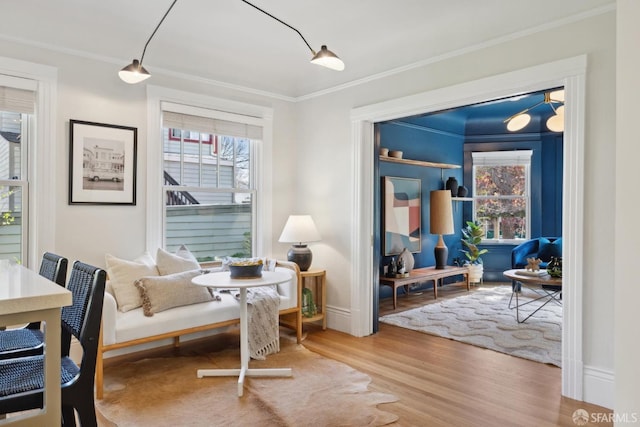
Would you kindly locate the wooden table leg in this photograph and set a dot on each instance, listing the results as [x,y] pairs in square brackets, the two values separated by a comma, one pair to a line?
[395,295]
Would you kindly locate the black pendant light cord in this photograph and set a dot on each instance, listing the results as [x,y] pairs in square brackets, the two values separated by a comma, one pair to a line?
[280,21]
[154,31]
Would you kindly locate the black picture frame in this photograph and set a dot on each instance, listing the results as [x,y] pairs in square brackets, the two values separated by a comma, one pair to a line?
[102,163]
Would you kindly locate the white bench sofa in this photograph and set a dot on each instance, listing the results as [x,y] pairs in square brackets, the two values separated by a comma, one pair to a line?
[125,330]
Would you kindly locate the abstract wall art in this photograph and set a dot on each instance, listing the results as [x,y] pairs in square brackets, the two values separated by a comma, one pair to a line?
[401,215]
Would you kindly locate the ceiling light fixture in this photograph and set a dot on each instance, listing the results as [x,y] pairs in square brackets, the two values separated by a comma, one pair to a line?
[135,72]
[325,57]
[555,123]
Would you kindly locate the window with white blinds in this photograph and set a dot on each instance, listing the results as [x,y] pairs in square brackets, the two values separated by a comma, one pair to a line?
[17,106]
[209,185]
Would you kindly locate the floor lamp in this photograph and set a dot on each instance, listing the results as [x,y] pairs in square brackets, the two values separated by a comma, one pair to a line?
[441,222]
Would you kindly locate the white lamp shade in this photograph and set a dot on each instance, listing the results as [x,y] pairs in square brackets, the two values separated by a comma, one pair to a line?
[299,229]
[441,213]
[556,123]
[518,122]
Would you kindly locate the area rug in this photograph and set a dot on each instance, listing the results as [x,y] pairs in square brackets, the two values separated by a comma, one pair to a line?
[166,392]
[483,318]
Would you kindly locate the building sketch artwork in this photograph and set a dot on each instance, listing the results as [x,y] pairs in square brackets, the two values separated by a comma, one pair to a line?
[103,164]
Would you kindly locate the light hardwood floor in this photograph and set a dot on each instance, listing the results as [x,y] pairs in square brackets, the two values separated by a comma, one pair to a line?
[440,382]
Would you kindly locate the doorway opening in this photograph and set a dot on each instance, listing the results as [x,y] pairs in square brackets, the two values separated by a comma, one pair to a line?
[568,73]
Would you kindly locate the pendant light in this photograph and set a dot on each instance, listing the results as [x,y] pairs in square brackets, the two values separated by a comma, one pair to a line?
[135,72]
[555,123]
[324,57]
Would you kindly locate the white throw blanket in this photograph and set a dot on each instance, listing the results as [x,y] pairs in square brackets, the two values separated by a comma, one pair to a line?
[263,304]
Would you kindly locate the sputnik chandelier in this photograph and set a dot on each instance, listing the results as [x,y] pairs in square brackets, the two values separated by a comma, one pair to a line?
[555,123]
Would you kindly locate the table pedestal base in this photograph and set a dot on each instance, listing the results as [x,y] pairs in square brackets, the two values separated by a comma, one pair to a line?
[244,372]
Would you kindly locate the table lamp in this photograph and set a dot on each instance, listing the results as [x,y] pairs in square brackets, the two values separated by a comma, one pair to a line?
[440,223]
[300,230]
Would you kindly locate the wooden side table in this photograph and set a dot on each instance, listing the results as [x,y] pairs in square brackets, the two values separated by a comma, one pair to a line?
[318,287]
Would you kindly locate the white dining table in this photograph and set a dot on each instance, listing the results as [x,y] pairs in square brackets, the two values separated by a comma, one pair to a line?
[25,296]
[222,279]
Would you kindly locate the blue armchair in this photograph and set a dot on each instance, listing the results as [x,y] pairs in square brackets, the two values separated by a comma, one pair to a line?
[541,247]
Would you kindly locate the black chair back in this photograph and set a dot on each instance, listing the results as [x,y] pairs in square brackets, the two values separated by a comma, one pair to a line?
[82,318]
[21,379]
[54,268]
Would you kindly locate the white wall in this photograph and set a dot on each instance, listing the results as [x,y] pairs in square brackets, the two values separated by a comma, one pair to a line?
[324,124]
[91,90]
[627,232]
[313,163]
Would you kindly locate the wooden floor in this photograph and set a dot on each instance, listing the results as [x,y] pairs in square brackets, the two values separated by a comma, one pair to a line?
[440,382]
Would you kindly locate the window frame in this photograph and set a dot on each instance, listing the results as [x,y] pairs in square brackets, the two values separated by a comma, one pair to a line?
[504,158]
[40,196]
[158,100]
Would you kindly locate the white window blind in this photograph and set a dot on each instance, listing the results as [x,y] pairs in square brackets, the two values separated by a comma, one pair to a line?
[210,125]
[17,100]
[502,158]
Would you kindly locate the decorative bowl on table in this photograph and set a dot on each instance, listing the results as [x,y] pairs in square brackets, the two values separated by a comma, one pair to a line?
[245,269]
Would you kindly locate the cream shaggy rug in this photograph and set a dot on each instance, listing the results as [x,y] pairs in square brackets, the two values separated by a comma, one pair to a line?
[166,392]
[483,318]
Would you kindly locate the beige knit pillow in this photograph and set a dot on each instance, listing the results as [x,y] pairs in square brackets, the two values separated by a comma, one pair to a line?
[182,260]
[164,292]
[122,275]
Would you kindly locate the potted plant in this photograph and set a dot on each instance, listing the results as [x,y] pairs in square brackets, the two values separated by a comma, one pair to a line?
[472,235]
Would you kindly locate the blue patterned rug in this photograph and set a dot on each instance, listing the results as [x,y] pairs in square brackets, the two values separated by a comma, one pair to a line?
[483,318]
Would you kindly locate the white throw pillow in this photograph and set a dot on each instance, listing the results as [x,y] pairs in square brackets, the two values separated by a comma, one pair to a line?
[182,260]
[123,274]
[164,292]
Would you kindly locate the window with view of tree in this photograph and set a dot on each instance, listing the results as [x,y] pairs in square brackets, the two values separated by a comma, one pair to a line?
[208,185]
[16,110]
[501,193]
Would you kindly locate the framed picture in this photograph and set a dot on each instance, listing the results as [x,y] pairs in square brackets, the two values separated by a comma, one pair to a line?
[102,163]
[401,215]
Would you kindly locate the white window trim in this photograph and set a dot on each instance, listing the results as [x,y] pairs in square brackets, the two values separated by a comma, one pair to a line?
[41,171]
[505,158]
[262,164]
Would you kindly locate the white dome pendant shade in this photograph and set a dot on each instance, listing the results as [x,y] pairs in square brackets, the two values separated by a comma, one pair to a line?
[556,122]
[518,122]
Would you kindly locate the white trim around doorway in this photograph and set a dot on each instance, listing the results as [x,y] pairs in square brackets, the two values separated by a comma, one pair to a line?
[570,73]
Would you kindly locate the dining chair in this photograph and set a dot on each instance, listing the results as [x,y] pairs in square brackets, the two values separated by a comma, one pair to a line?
[22,379]
[28,340]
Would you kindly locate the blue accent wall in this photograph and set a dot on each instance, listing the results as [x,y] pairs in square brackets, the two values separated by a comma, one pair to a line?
[425,144]
[450,139]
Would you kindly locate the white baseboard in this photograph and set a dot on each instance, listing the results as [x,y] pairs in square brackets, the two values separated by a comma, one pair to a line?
[599,386]
[339,319]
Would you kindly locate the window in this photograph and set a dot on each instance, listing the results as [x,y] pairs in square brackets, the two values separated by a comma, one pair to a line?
[501,194]
[16,111]
[209,183]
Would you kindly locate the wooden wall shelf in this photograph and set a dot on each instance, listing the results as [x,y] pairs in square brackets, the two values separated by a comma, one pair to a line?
[419,163]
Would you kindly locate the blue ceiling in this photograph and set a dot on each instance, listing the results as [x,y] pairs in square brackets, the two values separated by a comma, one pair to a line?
[490,114]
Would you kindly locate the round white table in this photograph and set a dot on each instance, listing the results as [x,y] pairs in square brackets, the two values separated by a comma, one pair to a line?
[222,279]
